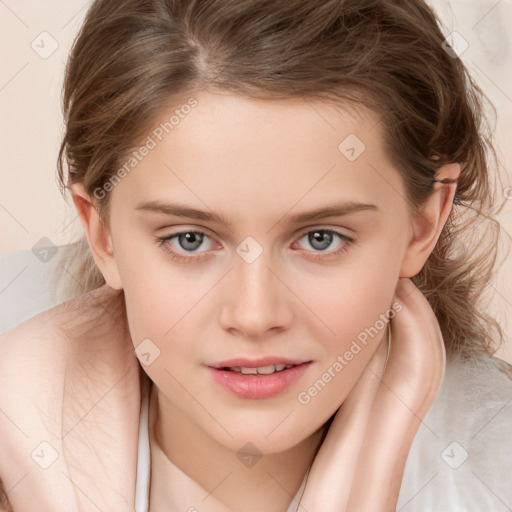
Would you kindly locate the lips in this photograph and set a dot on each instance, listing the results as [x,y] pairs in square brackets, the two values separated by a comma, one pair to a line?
[258,378]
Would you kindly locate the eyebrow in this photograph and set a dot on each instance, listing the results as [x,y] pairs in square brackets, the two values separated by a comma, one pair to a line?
[182,210]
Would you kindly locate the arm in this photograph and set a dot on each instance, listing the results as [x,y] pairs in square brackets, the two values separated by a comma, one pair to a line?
[360,465]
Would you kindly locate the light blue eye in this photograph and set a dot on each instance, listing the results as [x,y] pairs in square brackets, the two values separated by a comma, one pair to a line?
[190,240]
[321,239]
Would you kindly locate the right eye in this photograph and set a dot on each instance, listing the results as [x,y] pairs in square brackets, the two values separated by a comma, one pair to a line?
[184,242]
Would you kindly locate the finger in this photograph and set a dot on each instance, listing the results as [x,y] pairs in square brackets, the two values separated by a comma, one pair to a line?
[409,386]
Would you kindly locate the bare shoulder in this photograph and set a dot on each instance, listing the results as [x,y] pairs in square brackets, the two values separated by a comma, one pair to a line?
[78,346]
[36,340]
[53,336]
[69,391]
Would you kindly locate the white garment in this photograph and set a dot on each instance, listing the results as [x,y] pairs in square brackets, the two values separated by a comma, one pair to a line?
[461,457]
[143,460]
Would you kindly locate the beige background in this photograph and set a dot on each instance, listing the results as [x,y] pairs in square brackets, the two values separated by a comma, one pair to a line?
[35,38]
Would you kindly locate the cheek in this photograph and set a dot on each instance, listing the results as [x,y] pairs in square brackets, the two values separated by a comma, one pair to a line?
[166,304]
[158,329]
[158,292]
[351,295]
[350,299]
[357,308]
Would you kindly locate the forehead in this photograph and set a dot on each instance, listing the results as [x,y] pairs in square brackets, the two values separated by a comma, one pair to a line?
[230,150]
[281,124]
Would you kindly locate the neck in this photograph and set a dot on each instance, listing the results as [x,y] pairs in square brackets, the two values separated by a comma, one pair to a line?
[269,484]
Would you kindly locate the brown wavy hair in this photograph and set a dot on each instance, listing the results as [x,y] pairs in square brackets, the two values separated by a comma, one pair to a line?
[132,58]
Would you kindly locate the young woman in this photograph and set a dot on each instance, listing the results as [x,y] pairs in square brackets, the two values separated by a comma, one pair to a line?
[275,197]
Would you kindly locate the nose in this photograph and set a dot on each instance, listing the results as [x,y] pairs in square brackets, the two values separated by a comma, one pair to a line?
[258,300]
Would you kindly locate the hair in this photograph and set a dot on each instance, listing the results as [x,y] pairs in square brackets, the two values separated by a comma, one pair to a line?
[131,59]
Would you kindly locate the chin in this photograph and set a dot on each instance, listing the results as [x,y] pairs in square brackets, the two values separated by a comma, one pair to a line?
[264,438]
[257,443]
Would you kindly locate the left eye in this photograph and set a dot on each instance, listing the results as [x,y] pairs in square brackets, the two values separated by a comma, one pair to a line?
[321,239]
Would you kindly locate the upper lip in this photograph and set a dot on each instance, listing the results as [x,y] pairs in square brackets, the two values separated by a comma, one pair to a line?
[257,363]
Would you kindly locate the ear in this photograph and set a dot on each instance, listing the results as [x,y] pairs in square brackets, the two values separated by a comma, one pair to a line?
[98,235]
[429,221]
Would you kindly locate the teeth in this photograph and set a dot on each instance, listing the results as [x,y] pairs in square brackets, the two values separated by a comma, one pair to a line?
[247,371]
[266,370]
[262,370]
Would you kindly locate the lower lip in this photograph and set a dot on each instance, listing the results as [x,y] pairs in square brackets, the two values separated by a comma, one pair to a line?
[258,386]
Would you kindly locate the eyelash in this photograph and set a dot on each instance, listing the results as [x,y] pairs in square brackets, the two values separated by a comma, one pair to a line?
[163,242]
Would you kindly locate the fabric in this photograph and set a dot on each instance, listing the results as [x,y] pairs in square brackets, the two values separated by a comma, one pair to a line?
[143,461]
[461,457]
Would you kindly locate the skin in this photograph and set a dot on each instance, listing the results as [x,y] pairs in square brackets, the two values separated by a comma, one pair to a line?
[255,163]
[285,303]
[73,389]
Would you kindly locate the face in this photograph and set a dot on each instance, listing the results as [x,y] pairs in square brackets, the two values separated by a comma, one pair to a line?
[251,277]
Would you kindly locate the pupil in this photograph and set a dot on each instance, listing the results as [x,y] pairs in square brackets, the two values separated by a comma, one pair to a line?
[320,236]
[188,238]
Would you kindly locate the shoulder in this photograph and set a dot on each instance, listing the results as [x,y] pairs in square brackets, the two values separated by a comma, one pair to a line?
[79,345]
[70,398]
[46,322]
[50,338]
[462,454]
[34,350]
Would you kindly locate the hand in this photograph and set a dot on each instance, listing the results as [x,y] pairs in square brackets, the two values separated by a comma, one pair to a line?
[360,464]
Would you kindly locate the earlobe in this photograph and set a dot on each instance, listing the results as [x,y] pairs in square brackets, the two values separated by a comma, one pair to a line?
[98,235]
[430,220]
